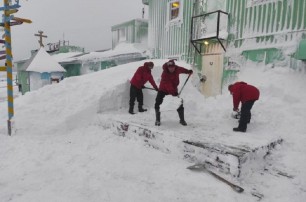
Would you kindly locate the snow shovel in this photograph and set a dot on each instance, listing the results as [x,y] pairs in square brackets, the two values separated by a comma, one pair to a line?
[149,88]
[183,86]
[182,101]
[202,167]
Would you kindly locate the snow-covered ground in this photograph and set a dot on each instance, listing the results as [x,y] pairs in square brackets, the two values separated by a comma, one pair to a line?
[62,151]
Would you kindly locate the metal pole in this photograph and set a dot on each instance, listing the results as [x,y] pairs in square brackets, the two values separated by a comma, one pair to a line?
[9,65]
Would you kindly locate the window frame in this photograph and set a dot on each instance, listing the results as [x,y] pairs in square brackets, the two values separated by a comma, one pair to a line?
[170,16]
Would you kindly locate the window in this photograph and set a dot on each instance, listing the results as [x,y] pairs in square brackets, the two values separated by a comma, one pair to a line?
[174,10]
[45,75]
[122,35]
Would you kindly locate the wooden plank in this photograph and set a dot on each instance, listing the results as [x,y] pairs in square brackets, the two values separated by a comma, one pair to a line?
[22,20]
[12,23]
[9,12]
[2,57]
[3,69]
[131,130]
[226,159]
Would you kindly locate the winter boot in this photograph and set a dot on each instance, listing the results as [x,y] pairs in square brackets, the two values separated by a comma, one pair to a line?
[131,110]
[180,111]
[242,125]
[140,109]
[157,113]
[239,130]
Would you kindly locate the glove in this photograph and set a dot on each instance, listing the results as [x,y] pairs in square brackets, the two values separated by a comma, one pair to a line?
[156,89]
[143,87]
[236,114]
[190,71]
[175,94]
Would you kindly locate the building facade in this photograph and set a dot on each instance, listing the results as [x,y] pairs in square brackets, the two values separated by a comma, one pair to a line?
[219,37]
[133,31]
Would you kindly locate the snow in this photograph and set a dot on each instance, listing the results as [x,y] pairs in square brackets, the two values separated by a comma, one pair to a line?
[61,149]
[252,3]
[121,48]
[66,57]
[43,62]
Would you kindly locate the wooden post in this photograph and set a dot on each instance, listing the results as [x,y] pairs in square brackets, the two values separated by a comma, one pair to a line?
[9,66]
[9,9]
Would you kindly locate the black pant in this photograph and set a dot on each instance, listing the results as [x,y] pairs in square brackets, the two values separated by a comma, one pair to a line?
[136,93]
[245,117]
[159,99]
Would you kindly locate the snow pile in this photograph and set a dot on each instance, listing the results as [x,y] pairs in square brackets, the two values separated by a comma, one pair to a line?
[61,151]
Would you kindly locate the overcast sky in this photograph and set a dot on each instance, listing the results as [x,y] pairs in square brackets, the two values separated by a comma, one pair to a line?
[85,23]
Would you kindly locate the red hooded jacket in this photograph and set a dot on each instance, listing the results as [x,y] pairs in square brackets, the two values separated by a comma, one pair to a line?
[170,81]
[243,92]
[142,75]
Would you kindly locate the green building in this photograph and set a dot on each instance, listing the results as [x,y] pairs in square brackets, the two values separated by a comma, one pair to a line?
[219,37]
[129,44]
[133,31]
[62,52]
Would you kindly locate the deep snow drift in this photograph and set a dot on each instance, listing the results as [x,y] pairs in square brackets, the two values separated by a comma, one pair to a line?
[62,151]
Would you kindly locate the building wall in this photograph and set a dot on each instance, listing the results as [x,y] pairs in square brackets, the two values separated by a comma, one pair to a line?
[38,80]
[67,49]
[135,31]
[72,69]
[274,26]
[271,29]
[169,39]
[23,81]
[266,31]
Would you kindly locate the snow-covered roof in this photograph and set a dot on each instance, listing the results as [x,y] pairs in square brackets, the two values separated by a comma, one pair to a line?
[66,57]
[43,62]
[122,48]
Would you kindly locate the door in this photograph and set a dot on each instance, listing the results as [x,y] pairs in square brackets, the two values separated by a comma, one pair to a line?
[212,68]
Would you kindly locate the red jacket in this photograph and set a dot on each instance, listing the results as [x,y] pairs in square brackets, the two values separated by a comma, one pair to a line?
[170,81]
[142,75]
[243,92]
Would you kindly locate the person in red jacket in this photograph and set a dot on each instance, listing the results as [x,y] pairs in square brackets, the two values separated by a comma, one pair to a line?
[141,76]
[168,86]
[247,95]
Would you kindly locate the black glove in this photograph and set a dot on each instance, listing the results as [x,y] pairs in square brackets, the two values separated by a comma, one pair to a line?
[190,71]
[156,89]
[143,87]
[236,114]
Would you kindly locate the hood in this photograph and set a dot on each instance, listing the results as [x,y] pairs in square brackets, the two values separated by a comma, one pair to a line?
[168,64]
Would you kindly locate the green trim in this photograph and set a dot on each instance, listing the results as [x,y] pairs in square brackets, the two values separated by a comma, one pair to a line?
[267,56]
[72,70]
[301,51]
